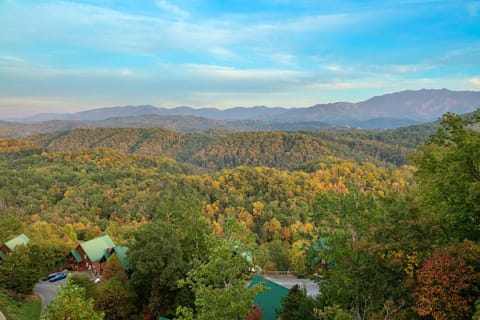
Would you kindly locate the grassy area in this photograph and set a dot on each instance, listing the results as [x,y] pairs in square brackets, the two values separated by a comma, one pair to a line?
[28,308]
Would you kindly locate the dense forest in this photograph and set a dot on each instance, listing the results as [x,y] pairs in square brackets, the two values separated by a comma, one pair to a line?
[386,222]
[220,149]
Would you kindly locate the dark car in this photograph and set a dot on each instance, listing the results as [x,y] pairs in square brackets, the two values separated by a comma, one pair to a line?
[59,276]
[49,276]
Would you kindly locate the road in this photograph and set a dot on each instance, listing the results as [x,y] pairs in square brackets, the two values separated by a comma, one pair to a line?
[47,291]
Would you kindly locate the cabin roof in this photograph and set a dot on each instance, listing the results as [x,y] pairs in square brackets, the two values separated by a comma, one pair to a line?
[21,239]
[271,299]
[95,249]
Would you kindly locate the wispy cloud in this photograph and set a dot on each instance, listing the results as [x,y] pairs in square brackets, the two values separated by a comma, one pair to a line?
[9,58]
[283,59]
[274,52]
[173,9]
[347,85]
[475,81]
[92,26]
[223,53]
[88,26]
[215,71]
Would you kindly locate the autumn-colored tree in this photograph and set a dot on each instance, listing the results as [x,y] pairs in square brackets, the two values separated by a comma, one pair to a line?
[256,313]
[443,285]
[113,268]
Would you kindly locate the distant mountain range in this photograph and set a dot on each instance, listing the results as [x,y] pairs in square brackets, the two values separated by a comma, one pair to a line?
[382,112]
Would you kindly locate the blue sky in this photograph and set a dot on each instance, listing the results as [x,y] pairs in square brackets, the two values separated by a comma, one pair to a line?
[67,56]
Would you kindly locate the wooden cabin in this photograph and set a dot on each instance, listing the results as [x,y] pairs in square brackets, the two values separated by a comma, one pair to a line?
[93,254]
[10,245]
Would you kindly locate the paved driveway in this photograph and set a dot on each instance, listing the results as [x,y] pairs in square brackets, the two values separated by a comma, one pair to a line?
[289,282]
[48,291]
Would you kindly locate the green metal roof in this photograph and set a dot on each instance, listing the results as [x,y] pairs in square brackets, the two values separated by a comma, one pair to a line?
[76,255]
[18,240]
[122,255]
[271,299]
[96,248]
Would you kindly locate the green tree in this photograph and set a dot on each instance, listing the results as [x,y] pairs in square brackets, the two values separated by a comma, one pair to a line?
[362,276]
[273,256]
[10,225]
[332,313]
[157,262]
[219,285]
[476,315]
[22,269]
[115,300]
[70,303]
[449,176]
[84,281]
[296,305]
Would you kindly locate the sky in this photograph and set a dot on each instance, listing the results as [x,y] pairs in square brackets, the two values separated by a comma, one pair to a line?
[68,56]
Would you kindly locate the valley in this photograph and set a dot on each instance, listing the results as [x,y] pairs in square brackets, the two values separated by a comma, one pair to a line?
[305,202]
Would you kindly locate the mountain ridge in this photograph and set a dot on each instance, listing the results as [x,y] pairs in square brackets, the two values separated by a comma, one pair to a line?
[415,105]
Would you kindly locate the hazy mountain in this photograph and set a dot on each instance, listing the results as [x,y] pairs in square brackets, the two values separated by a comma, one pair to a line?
[176,123]
[406,107]
[237,113]
[386,111]
[94,114]
[383,123]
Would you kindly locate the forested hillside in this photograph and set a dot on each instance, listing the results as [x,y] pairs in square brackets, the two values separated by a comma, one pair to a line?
[216,150]
[382,241]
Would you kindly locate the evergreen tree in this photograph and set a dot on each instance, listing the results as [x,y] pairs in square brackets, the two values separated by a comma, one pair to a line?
[296,305]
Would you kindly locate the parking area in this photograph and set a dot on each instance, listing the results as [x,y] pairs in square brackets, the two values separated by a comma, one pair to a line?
[48,291]
[289,282]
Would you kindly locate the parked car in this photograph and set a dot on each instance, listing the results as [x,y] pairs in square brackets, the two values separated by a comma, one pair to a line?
[59,276]
[50,275]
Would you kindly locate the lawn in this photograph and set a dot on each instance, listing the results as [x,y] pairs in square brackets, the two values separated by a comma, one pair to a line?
[28,308]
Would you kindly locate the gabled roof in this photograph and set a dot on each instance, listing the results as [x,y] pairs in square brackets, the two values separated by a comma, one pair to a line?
[122,255]
[18,240]
[96,248]
[76,255]
[271,299]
